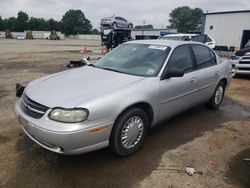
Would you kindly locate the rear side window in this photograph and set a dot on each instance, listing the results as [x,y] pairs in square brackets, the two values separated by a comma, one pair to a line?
[123,19]
[203,56]
[181,59]
[208,39]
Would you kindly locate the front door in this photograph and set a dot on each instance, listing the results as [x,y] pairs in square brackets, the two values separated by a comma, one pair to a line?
[180,93]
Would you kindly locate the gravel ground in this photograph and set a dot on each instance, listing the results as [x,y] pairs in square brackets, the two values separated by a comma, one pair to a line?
[213,142]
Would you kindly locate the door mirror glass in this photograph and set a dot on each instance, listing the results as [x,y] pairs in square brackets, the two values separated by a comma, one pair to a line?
[173,72]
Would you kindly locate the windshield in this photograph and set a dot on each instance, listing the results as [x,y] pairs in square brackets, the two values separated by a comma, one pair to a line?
[247,44]
[135,59]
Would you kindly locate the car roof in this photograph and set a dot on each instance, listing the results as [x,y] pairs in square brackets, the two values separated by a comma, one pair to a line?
[180,35]
[170,43]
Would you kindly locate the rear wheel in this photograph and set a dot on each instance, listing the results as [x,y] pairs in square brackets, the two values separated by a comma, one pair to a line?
[218,96]
[129,132]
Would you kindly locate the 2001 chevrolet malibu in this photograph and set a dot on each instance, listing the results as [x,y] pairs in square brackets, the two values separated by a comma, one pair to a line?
[115,101]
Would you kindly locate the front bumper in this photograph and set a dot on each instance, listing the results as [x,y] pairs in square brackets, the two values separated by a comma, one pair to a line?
[243,69]
[87,137]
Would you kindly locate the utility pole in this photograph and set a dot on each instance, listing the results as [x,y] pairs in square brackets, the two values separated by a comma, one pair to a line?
[143,23]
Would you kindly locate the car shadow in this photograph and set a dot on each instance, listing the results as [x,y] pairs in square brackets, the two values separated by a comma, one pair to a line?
[41,168]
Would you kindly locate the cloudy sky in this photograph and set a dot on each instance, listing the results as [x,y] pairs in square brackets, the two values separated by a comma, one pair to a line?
[154,12]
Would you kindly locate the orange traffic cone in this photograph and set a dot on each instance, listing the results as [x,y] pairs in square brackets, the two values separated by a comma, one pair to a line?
[102,52]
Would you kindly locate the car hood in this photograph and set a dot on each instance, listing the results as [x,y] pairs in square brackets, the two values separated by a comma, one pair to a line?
[71,88]
[242,51]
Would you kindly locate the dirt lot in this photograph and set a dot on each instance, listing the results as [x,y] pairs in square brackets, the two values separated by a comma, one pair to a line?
[214,142]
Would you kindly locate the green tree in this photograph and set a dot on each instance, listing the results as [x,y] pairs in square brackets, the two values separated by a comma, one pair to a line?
[1,24]
[54,25]
[10,23]
[95,32]
[22,21]
[185,19]
[74,22]
[38,24]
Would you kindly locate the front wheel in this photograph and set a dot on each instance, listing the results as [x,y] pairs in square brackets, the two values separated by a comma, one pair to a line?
[218,96]
[114,25]
[129,132]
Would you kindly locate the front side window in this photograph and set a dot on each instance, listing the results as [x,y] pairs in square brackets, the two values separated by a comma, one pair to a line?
[135,59]
[181,59]
[123,19]
[203,56]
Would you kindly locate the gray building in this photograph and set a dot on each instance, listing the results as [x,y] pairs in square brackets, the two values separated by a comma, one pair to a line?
[230,28]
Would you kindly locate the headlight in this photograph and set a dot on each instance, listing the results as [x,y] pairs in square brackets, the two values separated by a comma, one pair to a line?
[69,115]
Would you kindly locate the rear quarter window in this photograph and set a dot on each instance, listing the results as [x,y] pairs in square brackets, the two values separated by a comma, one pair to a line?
[204,56]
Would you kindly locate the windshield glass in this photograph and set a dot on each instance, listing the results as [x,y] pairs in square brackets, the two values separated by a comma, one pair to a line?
[247,44]
[135,59]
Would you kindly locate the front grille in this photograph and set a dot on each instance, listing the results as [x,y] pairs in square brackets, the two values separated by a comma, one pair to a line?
[245,60]
[246,57]
[32,108]
[244,69]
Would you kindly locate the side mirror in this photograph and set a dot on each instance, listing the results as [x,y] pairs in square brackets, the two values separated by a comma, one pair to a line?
[172,72]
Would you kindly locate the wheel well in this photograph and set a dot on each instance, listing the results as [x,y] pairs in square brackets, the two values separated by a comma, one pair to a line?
[224,80]
[144,106]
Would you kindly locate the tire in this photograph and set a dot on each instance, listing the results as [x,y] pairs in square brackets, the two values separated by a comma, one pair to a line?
[118,145]
[130,26]
[218,96]
[114,25]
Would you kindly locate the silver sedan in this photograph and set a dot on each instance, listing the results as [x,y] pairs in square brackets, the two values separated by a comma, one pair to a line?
[116,22]
[114,102]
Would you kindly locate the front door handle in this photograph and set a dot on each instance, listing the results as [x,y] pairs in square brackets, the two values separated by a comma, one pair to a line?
[193,80]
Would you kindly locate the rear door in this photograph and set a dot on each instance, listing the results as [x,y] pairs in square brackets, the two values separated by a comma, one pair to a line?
[207,72]
[120,22]
[178,94]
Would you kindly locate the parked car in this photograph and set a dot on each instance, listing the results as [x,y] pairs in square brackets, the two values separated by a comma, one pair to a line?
[205,39]
[116,21]
[20,37]
[2,36]
[243,51]
[242,65]
[115,101]
[241,61]
[111,38]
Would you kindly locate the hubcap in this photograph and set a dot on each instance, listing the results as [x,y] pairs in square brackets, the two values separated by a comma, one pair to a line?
[132,132]
[218,95]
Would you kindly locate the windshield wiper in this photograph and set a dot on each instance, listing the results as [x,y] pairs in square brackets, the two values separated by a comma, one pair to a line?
[91,65]
[112,70]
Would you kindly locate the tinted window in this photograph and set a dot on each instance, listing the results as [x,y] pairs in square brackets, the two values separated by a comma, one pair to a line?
[181,59]
[199,38]
[209,39]
[203,56]
[123,19]
[213,57]
[117,18]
